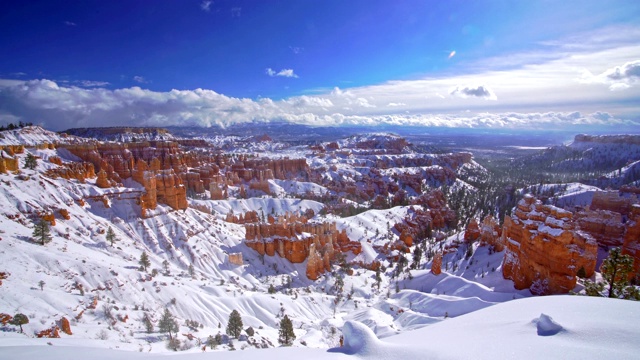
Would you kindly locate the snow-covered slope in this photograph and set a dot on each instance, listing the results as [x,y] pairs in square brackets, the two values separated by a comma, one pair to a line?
[553,327]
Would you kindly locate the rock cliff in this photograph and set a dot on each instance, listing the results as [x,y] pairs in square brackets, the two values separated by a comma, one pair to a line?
[544,248]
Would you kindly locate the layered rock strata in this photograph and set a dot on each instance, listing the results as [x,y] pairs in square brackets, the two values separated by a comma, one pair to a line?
[544,248]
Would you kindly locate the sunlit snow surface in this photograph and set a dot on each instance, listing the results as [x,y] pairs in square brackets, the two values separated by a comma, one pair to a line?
[573,327]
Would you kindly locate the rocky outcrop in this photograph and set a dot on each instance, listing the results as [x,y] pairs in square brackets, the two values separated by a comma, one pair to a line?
[75,170]
[472,232]
[65,326]
[631,244]
[436,265]
[53,332]
[544,248]
[604,226]
[612,201]
[236,259]
[491,233]
[295,239]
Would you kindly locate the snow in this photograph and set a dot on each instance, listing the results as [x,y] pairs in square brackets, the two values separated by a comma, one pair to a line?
[566,327]
[426,316]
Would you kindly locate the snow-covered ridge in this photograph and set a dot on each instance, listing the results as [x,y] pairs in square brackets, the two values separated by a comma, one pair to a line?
[33,135]
[123,134]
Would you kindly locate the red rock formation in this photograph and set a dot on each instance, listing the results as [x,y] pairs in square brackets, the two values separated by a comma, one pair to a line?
[612,201]
[102,181]
[236,259]
[50,217]
[491,233]
[79,171]
[5,319]
[605,226]
[54,332]
[436,265]
[293,238]
[631,244]
[544,250]
[64,213]
[472,232]
[315,264]
[65,326]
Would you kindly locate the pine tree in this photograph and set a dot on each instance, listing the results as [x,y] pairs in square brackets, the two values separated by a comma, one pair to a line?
[234,326]
[165,264]
[168,323]
[30,162]
[41,232]
[19,319]
[144,261]
[148,325]
[192,271]
[111,236]
[286,334]
[615,270]
[41,284]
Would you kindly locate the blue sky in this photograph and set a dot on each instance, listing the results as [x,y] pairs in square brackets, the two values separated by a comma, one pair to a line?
[430,63]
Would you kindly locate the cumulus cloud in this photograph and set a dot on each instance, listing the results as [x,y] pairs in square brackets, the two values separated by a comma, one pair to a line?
[62,107]
[283,73]
[628,71]
[473,91]
[205,6]
[618,78]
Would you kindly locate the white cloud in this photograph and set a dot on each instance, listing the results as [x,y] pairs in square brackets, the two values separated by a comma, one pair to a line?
[451,54]
[480,91]
[236,12]
[90,83]
[283,73]
[140,79]
[618,77]
[206,5]
[392,104]
[62,107]
[69,23]
[287,73]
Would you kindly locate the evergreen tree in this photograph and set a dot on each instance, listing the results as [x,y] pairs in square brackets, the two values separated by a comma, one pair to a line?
[111,236]
[378,278]
[19,319]
[144,261]
[615,270]
[286,334]
[168,323]
[41,284]
[30,162]
[165,264]
[213,342]
[192,271]
[41,232]
[148,325]
[234,326]
[417,257]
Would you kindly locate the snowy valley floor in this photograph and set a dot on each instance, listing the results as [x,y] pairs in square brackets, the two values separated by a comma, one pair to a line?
[557,327]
